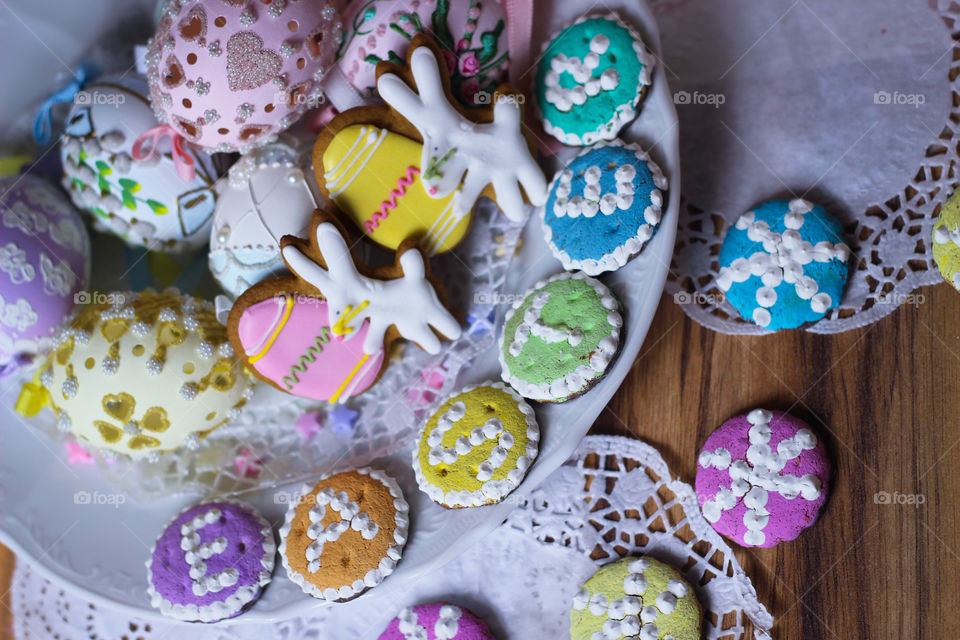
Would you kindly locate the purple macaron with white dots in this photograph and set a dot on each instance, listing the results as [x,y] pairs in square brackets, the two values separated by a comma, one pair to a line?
[211,562]
[762,478]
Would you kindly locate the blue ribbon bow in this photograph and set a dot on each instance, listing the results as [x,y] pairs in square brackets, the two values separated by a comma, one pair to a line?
[43,123]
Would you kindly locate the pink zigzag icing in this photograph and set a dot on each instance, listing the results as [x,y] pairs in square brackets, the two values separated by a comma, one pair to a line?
[390,203]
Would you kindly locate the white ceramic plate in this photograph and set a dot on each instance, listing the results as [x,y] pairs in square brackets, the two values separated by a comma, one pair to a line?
[99,547]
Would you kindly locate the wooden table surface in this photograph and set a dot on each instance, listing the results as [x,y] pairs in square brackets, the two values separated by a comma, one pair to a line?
[881,397]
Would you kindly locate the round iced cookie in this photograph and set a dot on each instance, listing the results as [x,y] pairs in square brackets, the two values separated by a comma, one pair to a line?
[762,478]
[559,339]
[288,341]
[345,534]
[374,177]
[946,240]
[639,598]
[784,264]
[603,207]
[144,373]
[590,80]
[476,448]
[437,621]
[211,562]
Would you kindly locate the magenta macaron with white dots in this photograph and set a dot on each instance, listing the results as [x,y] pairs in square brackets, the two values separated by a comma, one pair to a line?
[436,621]
[762,478]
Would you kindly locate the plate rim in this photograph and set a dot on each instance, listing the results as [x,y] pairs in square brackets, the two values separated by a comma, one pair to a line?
[638,322]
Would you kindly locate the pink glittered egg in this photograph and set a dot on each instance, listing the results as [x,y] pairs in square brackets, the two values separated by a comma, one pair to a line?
[471,33]
[44,265]
[229,75]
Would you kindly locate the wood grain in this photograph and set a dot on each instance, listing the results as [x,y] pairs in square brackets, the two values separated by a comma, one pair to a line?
[886,398]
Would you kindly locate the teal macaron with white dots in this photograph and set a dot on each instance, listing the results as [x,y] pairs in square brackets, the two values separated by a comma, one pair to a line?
[591,79]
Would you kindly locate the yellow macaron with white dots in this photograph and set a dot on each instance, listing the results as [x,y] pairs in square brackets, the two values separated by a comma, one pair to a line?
[477,447]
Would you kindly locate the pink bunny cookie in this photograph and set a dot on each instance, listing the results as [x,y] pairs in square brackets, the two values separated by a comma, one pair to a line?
[437,621]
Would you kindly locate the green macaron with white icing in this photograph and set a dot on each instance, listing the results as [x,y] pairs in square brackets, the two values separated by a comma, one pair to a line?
[560,338]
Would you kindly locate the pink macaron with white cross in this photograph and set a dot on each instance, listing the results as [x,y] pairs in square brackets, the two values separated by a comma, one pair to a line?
[436,621]
[762,478]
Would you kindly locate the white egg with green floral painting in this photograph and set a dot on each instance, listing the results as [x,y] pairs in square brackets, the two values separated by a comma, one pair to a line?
[269,193]
[145,202]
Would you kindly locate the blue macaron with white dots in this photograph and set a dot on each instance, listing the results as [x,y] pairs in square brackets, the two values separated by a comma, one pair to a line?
[784,264]
[603,207]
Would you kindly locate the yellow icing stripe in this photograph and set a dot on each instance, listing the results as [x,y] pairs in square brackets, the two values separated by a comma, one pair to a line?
[343,385]
[288,302]
[341,328]
[358,378]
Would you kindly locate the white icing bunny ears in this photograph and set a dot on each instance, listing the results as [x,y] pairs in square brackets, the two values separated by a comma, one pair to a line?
[453,145]
[407,301]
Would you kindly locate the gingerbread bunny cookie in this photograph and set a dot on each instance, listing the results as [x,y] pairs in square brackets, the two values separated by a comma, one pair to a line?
[416,167]
[324,332]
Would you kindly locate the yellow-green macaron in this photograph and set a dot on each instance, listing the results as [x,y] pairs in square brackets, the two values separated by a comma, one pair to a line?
[635,598]
[946,240]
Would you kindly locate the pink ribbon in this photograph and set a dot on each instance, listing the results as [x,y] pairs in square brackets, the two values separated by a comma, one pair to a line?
[149,141]
[519,40]
[519,34]
[317,119]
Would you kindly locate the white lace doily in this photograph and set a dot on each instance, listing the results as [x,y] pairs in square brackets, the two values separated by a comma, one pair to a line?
[613,498]
[265,433]
[852,105]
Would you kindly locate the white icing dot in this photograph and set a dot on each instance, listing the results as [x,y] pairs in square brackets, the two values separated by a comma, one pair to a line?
[820,302]
[609,80]
[761,317]
[625,173]
[599,44]
[766,296]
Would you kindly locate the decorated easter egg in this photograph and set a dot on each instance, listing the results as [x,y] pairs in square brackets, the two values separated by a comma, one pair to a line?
[44,265]
[270,192]
[373,176]
[144,373]
[288,341]
[146,202]
[229,75]
[472,35]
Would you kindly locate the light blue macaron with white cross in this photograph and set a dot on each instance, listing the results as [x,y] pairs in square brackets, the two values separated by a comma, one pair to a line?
[784,264]
[603,207]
